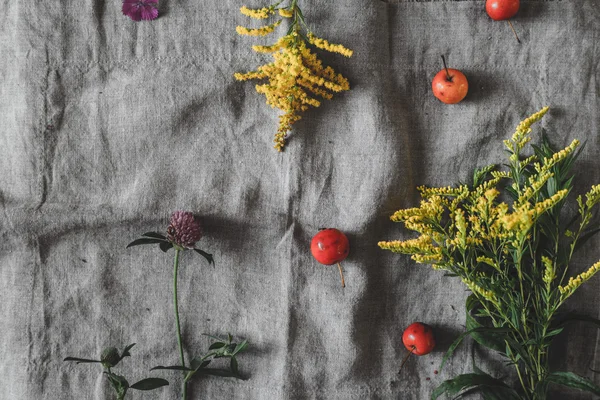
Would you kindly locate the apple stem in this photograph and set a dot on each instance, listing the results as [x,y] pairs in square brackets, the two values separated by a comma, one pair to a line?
[446,68]
[513,29]
[406,358]
[341,275]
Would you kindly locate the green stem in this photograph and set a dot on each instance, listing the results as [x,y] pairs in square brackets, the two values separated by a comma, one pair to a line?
[175,268]
[521,379]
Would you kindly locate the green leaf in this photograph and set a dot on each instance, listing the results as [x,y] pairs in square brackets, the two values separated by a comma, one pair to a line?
[492,393]
[520,351]
[551,186]
[216,345]
[574,317]
[454,386]
[575,381]
[204,254]
[165,246]
[234,366]
[126,351]
[554,332]
[459,340]
[144,241]
[172,367]
[198,363]
[240,347]
[489,341]
[155,235]
[220,372]
[149,384]
[81,360]
[213,337]
[585,237]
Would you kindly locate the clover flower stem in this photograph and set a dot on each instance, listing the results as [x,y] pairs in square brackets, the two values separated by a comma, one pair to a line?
[175,268]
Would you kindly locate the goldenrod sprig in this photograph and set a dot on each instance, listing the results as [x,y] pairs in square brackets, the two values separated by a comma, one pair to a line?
[296,79]
[508,254]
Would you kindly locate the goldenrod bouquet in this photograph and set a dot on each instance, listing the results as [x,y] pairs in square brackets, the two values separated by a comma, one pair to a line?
[509,240]
[296,77]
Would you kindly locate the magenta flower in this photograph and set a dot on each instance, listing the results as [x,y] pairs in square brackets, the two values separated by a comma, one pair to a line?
[184,231]
[139,10]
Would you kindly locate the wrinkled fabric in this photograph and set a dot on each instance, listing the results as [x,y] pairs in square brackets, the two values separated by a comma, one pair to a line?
[108,125]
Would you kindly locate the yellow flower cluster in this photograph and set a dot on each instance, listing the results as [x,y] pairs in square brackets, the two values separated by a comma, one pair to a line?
[557,157]
[262,31]
[325,45]
[296,77]
[579,280]
[536,183]
[286,13]
[486,294]
[549,271]
[489,261]
[484,187]
[270,49]
[431,208]
[423,243]
[460,239]
[593,196]
[427,192]
[543,206]
[518,223]
[262,13]
[521,136]
[500,174]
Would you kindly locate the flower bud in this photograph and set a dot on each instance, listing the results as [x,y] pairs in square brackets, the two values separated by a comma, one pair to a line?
[184,230]
[110,357]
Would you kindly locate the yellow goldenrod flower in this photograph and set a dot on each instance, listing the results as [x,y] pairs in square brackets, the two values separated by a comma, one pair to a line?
[427,258]
[262,31]
[549,271]
[537,182]
[549,162]
[593,196]
[460,240]
[296,79]
[250,75]
[269,49]
[486,294]
[286,13]
[550,202]
[262,13]
[421,245]
[325,45]
[521,136]
[579,280]
[444,191]
[500,174]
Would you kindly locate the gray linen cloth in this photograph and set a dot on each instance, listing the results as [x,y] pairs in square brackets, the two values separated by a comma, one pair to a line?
[108,125]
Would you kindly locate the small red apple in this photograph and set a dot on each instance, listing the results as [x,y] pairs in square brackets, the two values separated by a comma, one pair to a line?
[330,246]
[418,339]
[450,86]
[500,10]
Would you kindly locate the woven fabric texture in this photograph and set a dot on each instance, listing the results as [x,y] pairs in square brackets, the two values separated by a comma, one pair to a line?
[108,125]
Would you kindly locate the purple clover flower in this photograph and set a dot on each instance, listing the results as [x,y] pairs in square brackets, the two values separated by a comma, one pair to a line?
[139,10]
[184,231]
